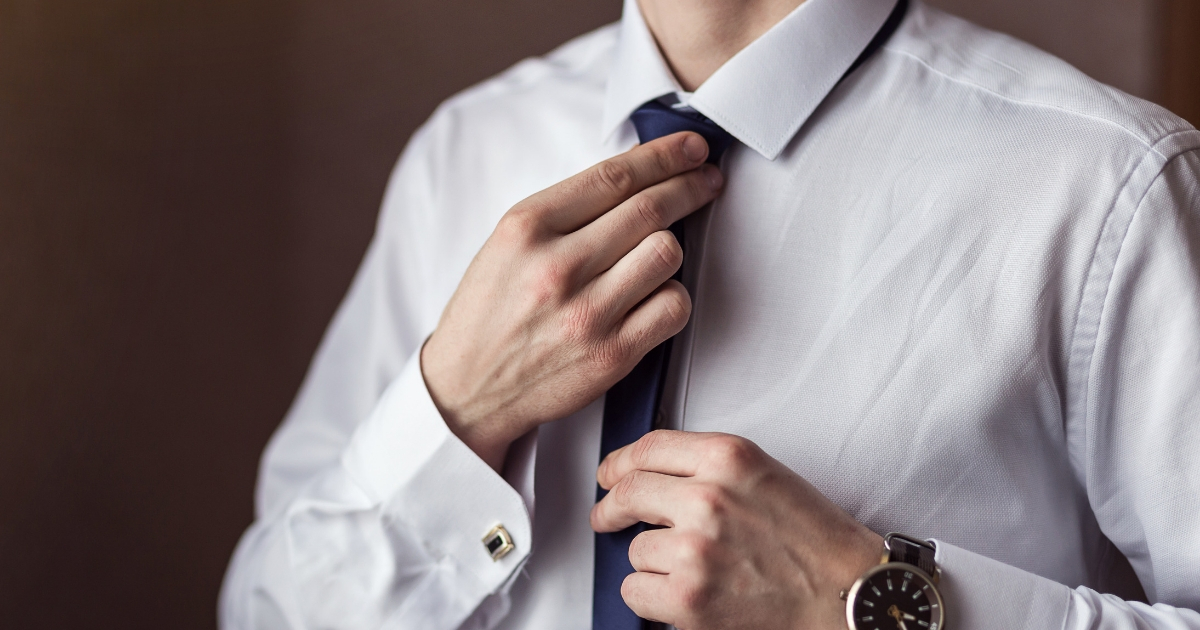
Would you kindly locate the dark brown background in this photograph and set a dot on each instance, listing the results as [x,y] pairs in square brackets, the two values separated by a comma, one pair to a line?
[185,190]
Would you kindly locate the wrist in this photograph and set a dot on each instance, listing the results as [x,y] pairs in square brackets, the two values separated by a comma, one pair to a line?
[474,430]
[868,551]
[847,559]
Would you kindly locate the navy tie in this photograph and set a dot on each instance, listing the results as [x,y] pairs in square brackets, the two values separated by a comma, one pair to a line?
[631,405]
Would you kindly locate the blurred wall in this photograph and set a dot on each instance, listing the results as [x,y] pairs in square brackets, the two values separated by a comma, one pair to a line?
[142,167]
[186,188]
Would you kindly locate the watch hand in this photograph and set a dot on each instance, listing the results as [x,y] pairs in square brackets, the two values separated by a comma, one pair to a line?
[908,616]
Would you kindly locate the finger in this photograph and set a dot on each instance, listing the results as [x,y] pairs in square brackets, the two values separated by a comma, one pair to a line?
[578,200]
[640,497]
[653,551]
[637,275]
[675,453]
[649,595]
[658,318]
[604,241]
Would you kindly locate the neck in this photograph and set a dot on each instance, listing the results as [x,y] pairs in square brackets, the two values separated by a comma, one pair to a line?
[697,36]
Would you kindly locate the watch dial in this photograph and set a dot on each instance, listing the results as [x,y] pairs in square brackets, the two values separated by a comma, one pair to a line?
[896,599]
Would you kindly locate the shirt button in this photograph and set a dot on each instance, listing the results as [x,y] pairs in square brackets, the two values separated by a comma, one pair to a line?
[498,542]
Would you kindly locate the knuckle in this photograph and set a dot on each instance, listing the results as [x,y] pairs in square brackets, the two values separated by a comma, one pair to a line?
[615,177]
[551,280]
[636,550]
[676,307]
[610,357]
[733,454]
[582,327]
[629,591]
[649,211]
[641,449]
[640,547]
[667,249]
[693,594]
[628,488]
[668,155]
[710,501]
[518,226]
[696,549]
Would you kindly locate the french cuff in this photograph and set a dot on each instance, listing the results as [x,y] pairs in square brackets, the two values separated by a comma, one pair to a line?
[434,487]
[985,594]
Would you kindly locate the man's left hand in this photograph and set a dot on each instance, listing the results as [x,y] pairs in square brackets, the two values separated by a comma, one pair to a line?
[747,542]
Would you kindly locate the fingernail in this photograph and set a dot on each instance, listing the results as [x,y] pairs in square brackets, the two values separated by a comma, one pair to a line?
[713,175]
[695,148]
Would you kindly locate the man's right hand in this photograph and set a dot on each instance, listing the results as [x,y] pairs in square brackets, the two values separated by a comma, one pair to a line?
[571,290]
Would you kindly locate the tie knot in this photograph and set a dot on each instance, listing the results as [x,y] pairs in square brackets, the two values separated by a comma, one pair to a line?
[655,120]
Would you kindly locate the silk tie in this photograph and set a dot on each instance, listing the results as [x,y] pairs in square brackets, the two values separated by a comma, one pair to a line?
[631,405]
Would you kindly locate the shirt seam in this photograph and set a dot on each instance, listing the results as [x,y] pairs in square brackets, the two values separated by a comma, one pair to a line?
[1082,397]
[1151,145]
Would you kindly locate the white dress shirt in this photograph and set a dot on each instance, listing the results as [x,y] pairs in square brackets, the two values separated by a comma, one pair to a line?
[959,292]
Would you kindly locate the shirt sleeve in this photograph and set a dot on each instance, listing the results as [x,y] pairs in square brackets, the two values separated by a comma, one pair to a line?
[369,512]
[1134,435]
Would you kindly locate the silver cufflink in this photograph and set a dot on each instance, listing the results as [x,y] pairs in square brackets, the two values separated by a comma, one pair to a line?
[498,542]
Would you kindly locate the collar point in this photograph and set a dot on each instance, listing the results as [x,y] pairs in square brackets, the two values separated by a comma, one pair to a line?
[769,150]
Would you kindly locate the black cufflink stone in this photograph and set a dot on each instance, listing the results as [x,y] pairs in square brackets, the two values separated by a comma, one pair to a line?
[498,542]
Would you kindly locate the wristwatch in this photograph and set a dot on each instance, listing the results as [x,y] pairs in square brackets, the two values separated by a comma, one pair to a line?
[899,593]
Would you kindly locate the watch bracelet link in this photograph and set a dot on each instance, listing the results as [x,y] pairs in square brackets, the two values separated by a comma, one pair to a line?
[901,548]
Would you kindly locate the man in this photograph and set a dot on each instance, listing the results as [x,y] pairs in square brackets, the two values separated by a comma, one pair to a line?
[939,283]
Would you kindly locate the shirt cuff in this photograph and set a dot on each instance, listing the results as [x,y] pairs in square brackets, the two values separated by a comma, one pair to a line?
[985,594]
[434,487]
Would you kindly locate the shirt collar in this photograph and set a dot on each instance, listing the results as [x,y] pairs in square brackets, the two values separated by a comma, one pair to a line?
[765,92]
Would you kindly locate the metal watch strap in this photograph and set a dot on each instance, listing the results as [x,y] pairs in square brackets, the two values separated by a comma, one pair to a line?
[901,548]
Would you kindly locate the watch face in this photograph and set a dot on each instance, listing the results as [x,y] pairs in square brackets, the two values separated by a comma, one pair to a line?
[895,596]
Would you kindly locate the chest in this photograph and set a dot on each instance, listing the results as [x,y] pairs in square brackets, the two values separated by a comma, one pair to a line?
[893,345]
